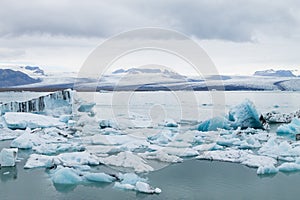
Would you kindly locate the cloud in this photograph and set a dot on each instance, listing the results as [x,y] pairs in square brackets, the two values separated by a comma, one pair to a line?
[206,19]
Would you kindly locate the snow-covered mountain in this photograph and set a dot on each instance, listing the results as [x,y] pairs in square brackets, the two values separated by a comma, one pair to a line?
[9,77]
[151,79]
[276,73]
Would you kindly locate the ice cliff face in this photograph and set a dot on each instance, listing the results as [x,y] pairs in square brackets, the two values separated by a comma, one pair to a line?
[38,105]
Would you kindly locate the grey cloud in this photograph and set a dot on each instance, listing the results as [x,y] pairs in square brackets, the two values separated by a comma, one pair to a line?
[214,19]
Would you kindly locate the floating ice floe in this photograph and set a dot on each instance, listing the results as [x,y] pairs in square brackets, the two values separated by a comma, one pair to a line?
[170,123]
[65,159]
[290,129]
[19,120]
[162,156]
[127,160]
[276,117]
[130,181]
[8,134]
[162,138]
[107,124]
[245,157]
[8,157]
[99,177]
[280,149]
[66,176]
[267,169]
[46,141]
[86,107]
[289,167]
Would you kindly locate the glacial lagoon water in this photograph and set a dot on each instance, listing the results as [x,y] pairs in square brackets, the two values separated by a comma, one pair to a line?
[192,179]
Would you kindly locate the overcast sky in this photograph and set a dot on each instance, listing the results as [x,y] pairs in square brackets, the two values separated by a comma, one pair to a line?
[239,36]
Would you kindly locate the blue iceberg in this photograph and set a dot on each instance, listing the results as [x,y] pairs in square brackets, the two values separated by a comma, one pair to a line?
[242,116]
[245,116]
[290,129]
[214,124]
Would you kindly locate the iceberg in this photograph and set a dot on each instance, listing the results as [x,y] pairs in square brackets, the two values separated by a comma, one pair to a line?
[25,141]
[241,116]
[8,134]
[8,157]
[245,157]
[66,159]
[99,177]
[40,161]
[162,138]
[131,181]
[145,188]
[55,102]
[290,129]
[107,124]
[86,107]
[267,169]
[162,156]
[170,123]
[289,167]
[127,159]
[214,124]
[18,120]
[245,116]
[66,176]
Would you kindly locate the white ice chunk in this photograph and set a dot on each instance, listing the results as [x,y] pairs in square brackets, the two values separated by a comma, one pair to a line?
[37,160]
[267,169]
[130,178]
[54,148]
[99,177]
[128,160]
[170,123]
[145,188]
[124,186]
[65,159]
[8,157]
[291,129]
[289,167]
[131,181]
[25,141]
[8,134]
[238,156]
[66,176]
[162,156]
[19,120]
[162,138]
[180,152]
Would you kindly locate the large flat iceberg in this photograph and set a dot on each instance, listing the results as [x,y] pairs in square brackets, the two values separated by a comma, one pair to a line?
[19,120]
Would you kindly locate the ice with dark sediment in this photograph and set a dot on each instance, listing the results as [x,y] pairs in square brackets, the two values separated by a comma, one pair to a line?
[59,102]
[277,117]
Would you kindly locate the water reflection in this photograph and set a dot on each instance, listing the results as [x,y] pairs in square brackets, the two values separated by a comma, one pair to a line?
[63,188]
[8,173]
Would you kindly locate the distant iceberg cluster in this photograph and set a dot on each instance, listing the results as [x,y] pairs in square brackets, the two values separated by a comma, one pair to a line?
[65,136]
